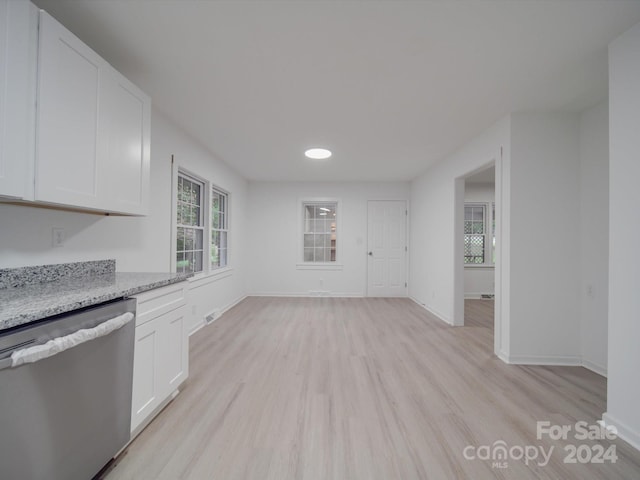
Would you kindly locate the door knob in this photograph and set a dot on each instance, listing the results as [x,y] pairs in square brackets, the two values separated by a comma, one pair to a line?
[371,254]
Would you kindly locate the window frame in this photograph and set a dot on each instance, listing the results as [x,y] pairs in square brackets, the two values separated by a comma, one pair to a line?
[201,220]
[489,234]
[307,265]
[224,229]
[206,214]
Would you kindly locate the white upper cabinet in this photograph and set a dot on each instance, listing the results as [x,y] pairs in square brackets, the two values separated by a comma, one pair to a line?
[124,179]
[68,152]
[18,64]
[93,129]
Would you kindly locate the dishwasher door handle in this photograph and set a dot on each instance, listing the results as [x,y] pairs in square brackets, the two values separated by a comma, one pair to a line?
[60,344]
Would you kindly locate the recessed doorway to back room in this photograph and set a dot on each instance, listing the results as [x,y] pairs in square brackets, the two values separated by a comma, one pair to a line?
[479,249]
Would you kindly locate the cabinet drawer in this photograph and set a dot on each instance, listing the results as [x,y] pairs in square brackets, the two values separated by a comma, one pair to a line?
[156,302]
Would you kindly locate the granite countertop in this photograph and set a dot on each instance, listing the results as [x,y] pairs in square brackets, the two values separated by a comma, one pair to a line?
[22,304]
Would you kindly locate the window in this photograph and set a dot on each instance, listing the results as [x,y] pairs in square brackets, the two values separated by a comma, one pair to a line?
[219,245]
[319,231]
[479,228]
[202,219]
[190,229]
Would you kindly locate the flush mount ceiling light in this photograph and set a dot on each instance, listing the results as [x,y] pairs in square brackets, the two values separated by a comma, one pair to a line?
[318,153]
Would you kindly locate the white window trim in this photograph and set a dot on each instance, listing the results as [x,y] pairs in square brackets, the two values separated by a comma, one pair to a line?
[227,229]
[488,208]
[301,264]
[206,271]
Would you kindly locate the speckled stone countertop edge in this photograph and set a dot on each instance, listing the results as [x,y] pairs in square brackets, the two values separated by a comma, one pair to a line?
[35,275]
[15,316]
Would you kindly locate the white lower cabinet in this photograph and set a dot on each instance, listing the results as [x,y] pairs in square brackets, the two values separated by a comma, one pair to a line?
[161,355]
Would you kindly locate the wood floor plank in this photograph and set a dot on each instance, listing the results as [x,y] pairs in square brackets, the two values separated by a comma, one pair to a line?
[335,388]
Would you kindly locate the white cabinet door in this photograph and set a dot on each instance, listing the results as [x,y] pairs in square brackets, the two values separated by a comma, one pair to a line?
[124,177]
[18,65]
[93,137]
[145,397]
[174,360]
[161,355]
[68,149]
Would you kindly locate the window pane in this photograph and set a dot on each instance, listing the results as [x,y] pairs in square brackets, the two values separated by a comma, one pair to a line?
[188,239]
[319,232]
[308,240]
[308,254]
[180,240]
[197,261]
[474,249]
[180,263]
[189,232]
[219,247]
[195,194]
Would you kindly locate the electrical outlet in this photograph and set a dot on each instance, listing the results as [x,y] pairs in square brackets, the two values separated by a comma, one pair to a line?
[57,237]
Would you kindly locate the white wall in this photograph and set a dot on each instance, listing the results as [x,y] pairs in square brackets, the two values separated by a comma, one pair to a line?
[623,387]
[139,244]
[220,291]
[544,233]
[274,215]
[433,231]
[479,280]
[594,236]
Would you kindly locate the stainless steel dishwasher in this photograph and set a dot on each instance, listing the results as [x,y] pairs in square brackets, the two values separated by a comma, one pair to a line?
[67,412]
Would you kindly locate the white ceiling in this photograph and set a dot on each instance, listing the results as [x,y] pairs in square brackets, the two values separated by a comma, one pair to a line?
[390,87]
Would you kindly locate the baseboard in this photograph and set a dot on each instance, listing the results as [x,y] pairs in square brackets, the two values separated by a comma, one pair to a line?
[625,433]
[503,356]
[433,312]
[307,295]
[594,367]
[477,296]
[559,360]
[224,309]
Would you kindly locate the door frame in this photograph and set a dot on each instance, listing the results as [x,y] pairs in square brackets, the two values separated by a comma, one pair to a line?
[407,239]
[501,269]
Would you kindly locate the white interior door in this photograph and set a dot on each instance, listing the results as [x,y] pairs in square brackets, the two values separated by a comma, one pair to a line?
[387,248]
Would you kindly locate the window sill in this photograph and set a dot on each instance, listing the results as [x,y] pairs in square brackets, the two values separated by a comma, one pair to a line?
[212,275]
[319,266]
[472,266]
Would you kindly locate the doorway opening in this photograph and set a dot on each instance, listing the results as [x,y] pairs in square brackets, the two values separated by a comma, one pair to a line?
[476,211]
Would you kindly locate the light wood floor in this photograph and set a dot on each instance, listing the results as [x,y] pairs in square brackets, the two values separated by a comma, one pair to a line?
[330,388]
